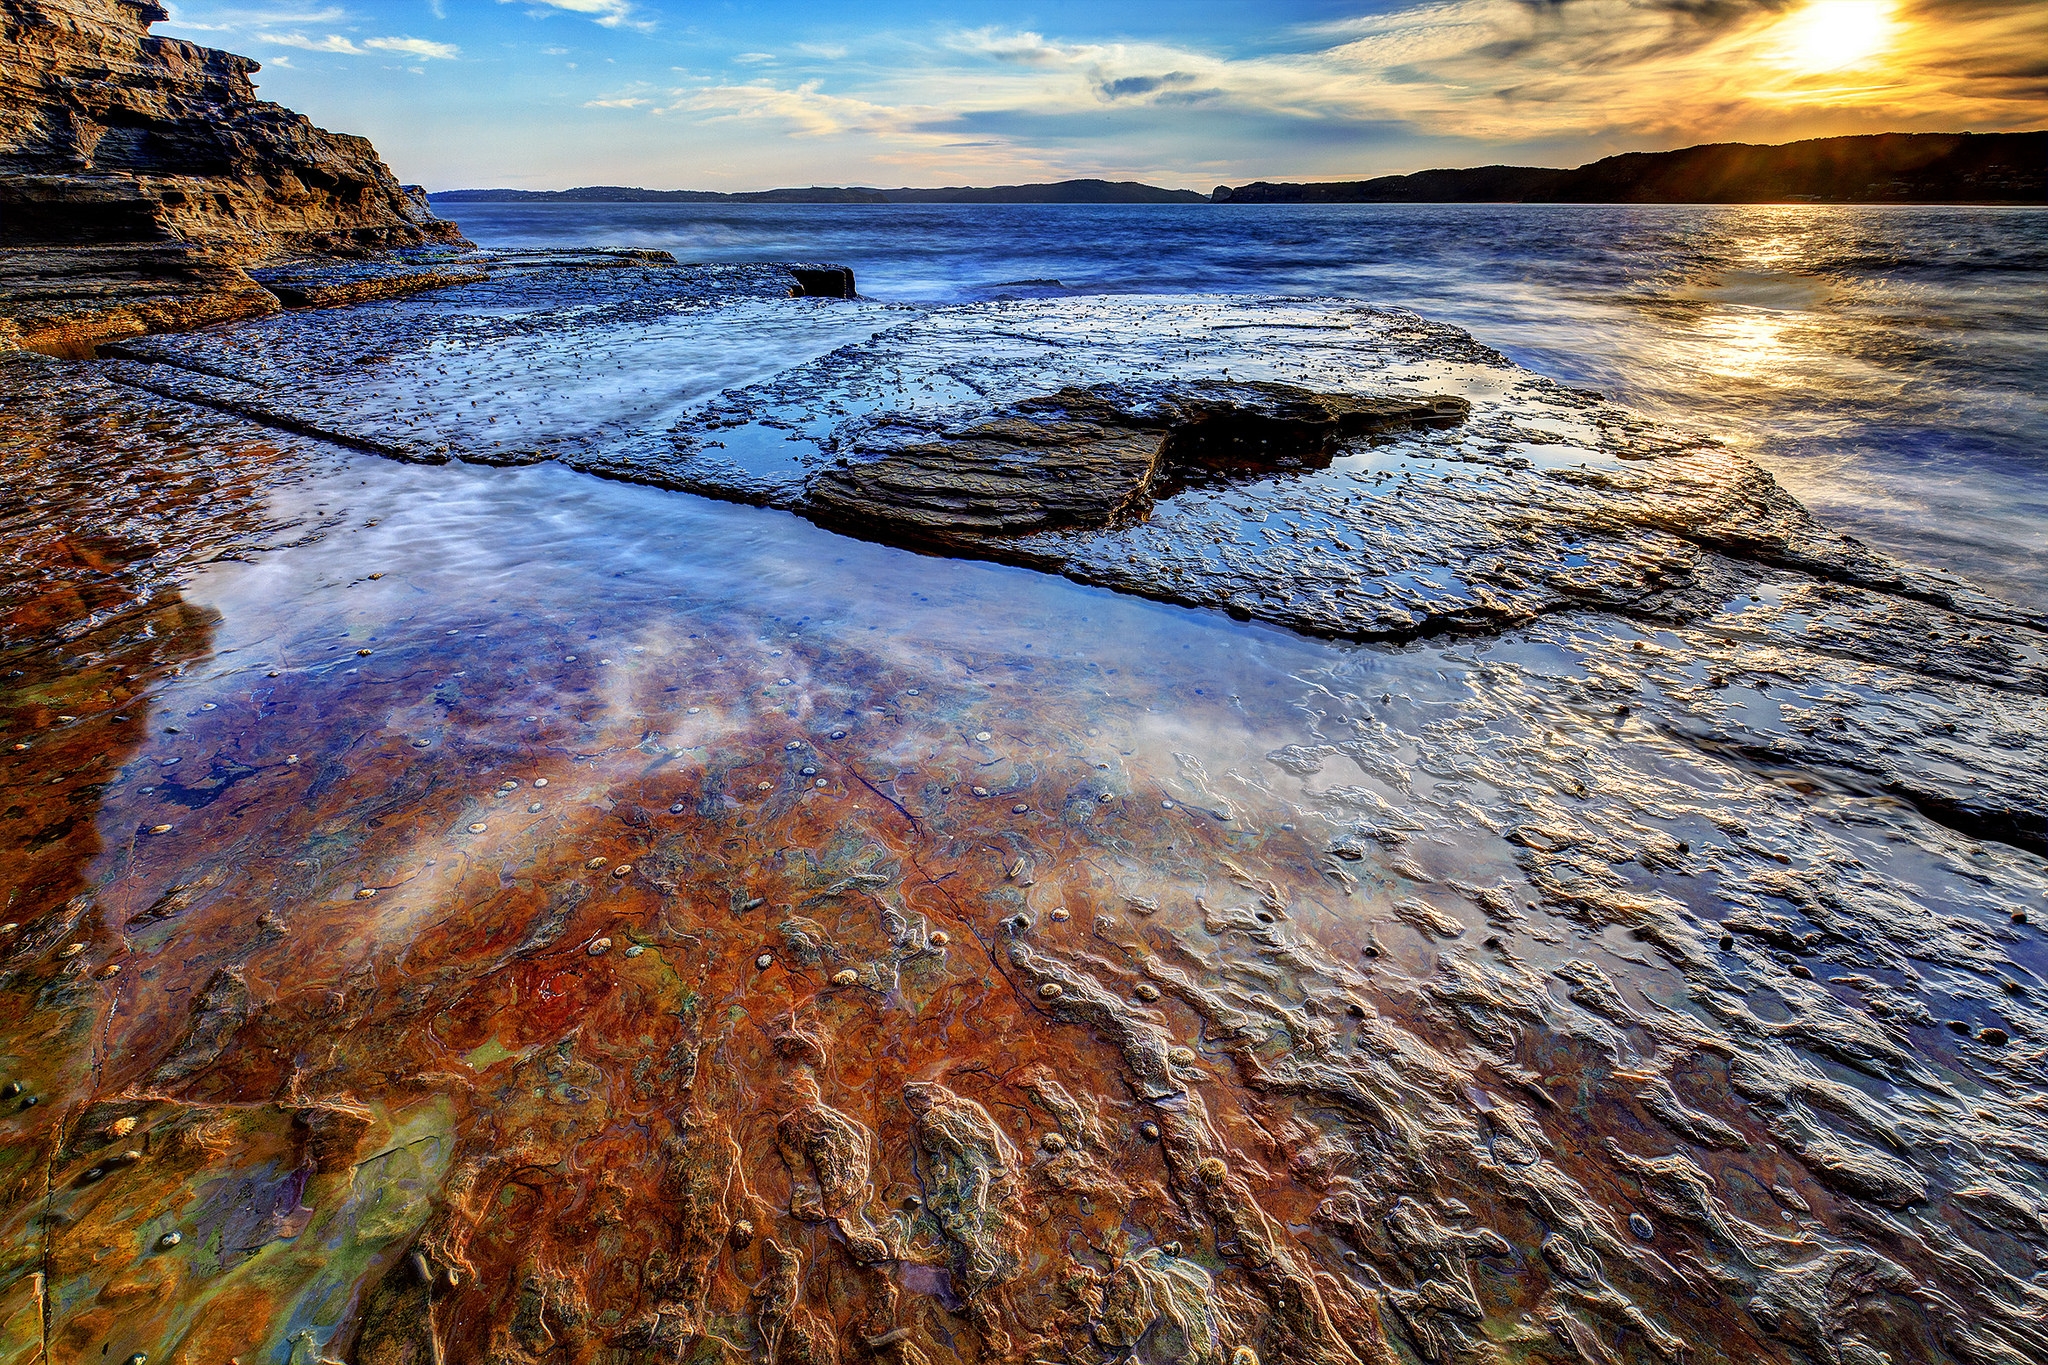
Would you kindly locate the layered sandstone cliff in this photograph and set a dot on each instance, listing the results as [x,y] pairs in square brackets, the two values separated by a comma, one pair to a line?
[111,134]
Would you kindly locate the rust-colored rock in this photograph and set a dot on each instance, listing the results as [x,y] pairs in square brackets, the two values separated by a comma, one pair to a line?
[69,301]
[1451,1001]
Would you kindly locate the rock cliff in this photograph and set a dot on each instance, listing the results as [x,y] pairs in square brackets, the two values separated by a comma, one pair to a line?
[111,134]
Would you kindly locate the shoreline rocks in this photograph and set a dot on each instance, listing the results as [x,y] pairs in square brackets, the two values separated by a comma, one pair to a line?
[111,134]
[139,175]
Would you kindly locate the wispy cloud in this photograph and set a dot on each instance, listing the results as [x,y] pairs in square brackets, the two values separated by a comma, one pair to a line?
[422,48]
[232,19]
[609,13]
[1412,83]
[1527,70]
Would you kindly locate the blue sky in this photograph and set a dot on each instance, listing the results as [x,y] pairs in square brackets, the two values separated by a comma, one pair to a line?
[1195,93]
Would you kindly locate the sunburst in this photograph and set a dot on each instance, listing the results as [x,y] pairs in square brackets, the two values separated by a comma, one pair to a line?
[1833,35]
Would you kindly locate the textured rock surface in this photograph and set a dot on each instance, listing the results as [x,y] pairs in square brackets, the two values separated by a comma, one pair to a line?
[110,134]
[494,914]
[1086,458]
[68,301]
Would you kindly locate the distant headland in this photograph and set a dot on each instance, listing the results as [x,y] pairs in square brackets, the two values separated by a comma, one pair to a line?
[1876,168]
[1064,192]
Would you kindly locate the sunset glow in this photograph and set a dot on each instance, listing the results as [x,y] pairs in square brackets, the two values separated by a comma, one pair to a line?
[564,92]
[1829,35]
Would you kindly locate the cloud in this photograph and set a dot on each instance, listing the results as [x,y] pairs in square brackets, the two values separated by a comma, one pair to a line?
[754,58]
[830,52]
[232,20]
[805,111]
[411,47]
[1124,87]
[609,13]
[1463,80]
[416,47]
[331,43]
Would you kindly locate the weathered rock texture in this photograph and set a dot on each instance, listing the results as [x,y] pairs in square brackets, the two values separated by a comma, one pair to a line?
[461,914]
[67,301]
[1088,457]
[110,134]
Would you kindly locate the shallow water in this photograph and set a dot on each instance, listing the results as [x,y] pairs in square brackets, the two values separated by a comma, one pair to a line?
[1889,365]
[513,910]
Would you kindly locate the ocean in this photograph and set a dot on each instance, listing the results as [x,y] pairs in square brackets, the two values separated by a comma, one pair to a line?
[1888,365]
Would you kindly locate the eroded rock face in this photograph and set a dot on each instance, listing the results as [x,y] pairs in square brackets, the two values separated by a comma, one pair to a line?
[110,134]
[68,301]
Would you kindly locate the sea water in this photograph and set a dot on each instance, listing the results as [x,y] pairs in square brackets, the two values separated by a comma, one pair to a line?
[1888,364]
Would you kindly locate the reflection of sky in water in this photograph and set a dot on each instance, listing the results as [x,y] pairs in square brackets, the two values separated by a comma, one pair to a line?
[1444,817]
[1887,363]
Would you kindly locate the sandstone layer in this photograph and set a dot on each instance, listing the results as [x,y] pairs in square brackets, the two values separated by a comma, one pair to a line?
[111,134]
[463,910]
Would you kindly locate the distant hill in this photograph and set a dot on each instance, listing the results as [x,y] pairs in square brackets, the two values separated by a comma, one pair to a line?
[1879,168]
[1065,192]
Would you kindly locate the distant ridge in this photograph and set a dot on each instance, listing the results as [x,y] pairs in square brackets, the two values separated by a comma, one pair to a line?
[1064,192]
[1876,168]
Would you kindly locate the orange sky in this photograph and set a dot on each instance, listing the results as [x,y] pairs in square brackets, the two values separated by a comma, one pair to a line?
[1192,92]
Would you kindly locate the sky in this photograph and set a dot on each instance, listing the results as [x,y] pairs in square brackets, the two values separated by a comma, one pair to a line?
[681,94]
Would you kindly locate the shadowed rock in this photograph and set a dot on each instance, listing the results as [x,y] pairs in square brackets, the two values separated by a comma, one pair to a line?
[1087,457]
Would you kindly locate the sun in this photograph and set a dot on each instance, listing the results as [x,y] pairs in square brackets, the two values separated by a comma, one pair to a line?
[1828,35]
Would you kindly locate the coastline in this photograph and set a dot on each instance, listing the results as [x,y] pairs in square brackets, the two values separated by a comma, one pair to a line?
[567,803]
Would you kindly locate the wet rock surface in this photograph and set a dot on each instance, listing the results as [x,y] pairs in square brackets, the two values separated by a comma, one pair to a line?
[68,302]
[1605,928]
[1084,458]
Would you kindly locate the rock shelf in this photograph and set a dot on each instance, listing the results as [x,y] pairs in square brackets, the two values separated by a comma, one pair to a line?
[1558,902]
